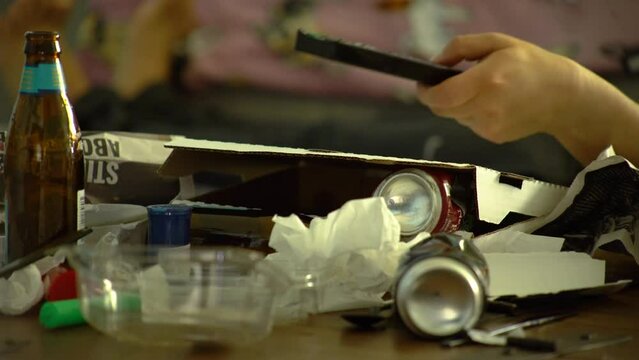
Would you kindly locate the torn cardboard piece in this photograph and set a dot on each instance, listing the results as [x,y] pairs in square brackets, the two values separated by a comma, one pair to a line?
[600,207]
[599,210]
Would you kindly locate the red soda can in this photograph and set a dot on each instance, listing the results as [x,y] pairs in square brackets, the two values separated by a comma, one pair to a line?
[421,201]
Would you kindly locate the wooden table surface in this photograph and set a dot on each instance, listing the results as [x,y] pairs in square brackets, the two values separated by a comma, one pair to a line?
[325,336]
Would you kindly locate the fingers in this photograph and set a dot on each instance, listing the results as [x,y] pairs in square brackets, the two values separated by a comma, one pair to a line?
[491,115]
[458,90]
[465,113]
[484,118]
[473,47]
[448,97]
[453,92]
[506,95]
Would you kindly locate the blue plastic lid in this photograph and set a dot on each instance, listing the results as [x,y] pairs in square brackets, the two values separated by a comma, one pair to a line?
[169,225]
[169,209]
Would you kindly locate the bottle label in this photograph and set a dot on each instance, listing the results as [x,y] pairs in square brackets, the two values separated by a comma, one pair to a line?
[4,247]
[42,78]
[81,224]
[27,85]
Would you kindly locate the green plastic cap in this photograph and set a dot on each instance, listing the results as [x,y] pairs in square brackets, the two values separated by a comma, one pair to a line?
[56,314]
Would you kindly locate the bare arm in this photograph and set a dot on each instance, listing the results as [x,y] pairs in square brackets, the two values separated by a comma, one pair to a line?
[518,89]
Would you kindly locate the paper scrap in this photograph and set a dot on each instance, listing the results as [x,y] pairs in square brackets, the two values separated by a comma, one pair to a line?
[542,272]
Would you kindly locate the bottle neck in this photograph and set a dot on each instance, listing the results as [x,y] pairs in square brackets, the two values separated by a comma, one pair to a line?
[42,75]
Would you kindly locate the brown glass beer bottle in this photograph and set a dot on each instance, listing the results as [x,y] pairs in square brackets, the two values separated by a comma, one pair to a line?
[44,162]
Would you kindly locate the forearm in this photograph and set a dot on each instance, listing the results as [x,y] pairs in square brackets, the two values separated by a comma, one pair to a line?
[625,135]
[598,115]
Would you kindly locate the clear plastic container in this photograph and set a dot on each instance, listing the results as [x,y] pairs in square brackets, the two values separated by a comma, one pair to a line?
[177,295]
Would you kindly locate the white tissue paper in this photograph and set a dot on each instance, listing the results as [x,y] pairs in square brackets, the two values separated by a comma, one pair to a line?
[347,260]
[25,287]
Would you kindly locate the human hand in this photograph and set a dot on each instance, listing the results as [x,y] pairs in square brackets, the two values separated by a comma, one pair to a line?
[517,89]
[514,90]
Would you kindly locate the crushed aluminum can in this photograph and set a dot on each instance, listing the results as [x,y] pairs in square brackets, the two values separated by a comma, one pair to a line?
[440,289]
[420,201]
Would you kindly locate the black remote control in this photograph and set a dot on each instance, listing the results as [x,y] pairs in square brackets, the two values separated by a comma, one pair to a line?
[366,56]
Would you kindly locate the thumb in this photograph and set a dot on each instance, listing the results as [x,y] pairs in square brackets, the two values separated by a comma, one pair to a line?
[473,47]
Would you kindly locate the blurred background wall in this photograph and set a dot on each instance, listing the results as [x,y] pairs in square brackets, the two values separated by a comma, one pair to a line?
[235,77]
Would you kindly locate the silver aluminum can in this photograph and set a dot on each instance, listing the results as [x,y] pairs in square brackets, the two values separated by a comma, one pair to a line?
[420,201]
[441,286]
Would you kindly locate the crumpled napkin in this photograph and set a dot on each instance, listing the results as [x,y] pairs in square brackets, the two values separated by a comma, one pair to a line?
[347,260]
[25,287]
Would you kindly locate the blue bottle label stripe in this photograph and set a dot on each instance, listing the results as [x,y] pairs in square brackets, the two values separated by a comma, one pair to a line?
[28,82]
[50,77]
[42,78]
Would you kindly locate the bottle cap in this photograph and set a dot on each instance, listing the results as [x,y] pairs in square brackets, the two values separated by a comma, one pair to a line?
[169,224]
[56,314]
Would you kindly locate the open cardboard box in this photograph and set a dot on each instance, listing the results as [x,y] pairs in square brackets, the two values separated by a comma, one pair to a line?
[281,180]
[276,180]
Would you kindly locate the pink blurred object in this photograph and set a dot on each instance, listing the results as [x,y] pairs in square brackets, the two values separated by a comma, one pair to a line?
[232,49]
[576,27]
